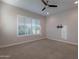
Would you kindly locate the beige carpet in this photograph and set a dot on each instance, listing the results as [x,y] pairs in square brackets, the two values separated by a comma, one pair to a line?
[41,49]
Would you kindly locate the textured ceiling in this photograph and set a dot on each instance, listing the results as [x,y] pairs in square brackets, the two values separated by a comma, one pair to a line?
[36,5]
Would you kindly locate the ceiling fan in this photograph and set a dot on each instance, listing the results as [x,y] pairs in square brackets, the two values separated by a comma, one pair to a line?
[46,3]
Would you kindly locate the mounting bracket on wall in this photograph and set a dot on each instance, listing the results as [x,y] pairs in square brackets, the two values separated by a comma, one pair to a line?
[59,26]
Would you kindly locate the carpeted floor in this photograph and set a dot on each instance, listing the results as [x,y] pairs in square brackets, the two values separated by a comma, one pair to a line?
[41,49]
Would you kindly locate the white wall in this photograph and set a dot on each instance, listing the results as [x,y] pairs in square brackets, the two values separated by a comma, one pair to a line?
[68,18]
[8,25]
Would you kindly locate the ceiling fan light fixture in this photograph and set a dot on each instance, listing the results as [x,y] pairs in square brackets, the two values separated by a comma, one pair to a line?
[47,13]
[76,2]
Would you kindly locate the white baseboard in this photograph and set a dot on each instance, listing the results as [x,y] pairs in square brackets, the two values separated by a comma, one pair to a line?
[4,46]
[65,42]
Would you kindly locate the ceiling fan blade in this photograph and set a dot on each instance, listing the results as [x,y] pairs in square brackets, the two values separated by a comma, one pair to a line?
[44,2]
[43,8]
[52,5]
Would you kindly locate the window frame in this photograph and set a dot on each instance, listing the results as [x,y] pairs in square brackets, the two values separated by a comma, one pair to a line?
[31,26]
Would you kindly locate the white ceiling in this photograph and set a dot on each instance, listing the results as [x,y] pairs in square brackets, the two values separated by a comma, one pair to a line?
[36,5]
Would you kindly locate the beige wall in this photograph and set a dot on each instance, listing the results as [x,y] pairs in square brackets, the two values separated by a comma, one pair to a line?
[68,18]
[8,24]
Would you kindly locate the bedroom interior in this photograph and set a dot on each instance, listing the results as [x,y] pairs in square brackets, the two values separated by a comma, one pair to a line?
[38,29]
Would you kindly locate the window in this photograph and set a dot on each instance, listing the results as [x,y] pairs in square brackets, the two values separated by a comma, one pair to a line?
[28,26]
[36,26]
[21,26]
